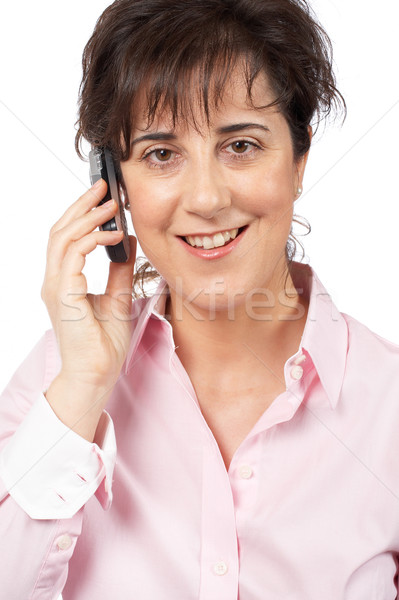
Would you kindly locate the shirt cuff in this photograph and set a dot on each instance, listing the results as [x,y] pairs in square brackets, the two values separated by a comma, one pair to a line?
[51,471]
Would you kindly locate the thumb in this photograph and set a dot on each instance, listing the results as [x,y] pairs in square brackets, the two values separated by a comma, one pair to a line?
[120,276]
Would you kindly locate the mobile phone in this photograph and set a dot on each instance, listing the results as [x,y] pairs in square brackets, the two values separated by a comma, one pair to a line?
[102,166]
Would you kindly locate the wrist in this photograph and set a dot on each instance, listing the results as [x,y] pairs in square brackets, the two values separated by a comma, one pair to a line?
[78,404]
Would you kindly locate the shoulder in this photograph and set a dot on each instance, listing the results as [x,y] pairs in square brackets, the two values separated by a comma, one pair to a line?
[372,355]
[362,337]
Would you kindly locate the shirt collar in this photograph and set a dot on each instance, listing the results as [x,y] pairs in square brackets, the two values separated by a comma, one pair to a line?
[324,338]
[142,310]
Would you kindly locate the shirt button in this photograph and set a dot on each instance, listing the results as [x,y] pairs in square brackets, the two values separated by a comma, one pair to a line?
[296,372]
[220,568]
[299,359]
[64,542]
[245,472]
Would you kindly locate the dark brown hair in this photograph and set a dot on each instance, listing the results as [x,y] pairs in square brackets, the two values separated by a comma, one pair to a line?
[175,49]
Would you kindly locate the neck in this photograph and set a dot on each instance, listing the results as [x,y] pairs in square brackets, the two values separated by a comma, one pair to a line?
[216,338]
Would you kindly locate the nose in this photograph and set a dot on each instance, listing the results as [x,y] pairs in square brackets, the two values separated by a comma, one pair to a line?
[206,192]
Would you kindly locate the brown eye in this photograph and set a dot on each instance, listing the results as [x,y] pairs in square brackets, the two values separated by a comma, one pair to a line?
[240,147]
[163,155]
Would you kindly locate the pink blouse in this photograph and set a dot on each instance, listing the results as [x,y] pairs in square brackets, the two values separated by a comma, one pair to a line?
[308,509]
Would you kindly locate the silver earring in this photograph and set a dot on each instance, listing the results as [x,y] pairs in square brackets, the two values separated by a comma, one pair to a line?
[127,205]
[299,190]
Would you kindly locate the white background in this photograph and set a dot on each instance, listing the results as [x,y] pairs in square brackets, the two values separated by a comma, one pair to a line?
[351,194]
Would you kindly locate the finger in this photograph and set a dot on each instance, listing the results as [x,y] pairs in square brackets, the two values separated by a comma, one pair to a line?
[61,240]
[91,198]
[120,277]
[75,258]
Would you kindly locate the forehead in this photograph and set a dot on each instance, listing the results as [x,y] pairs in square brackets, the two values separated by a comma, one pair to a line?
[198,107]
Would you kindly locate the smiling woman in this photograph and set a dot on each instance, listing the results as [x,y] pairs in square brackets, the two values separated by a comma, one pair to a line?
[237,174]
[175,71]
[233,390]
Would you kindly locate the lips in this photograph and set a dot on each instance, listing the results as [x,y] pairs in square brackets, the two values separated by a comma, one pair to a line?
[214,252]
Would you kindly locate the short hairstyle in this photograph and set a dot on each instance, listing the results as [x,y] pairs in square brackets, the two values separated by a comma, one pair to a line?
[158,45]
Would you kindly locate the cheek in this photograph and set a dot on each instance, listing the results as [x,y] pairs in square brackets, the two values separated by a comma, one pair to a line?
[143,217]
[151,212]
[269,193]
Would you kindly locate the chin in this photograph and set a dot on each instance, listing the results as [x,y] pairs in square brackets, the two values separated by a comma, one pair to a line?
[218,295]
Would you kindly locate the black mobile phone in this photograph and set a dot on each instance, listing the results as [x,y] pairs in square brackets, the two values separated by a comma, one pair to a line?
[102,166]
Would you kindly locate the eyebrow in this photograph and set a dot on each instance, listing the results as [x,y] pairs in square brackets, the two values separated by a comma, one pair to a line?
[169,135]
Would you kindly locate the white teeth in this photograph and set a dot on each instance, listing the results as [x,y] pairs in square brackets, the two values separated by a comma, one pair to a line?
[207,242]
[218,240]
[197,241]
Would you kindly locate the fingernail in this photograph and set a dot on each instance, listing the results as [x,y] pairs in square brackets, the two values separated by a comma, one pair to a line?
[97,184]
[108,204]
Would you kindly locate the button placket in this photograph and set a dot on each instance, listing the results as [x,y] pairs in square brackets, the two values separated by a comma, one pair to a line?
[219,548]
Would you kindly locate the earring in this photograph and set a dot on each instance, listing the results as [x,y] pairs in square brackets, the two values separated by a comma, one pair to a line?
[299,190]
[127,205]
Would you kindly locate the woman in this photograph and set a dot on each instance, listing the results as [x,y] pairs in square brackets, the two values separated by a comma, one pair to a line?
[252,461]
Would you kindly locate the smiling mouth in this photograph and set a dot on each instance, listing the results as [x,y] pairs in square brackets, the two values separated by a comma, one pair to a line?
[218,240]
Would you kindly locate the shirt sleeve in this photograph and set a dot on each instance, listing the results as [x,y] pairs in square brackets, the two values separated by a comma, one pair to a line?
[50,470]
[47,468]
[47,473]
